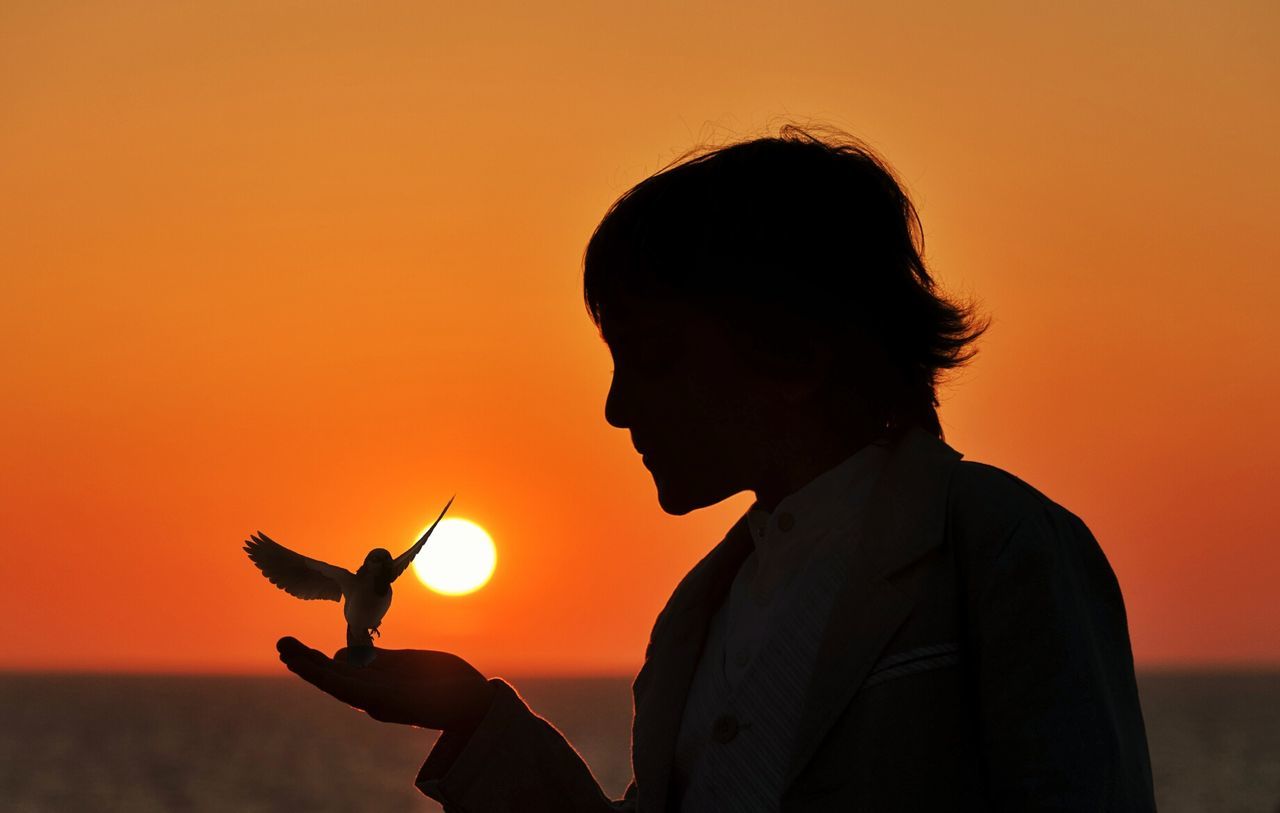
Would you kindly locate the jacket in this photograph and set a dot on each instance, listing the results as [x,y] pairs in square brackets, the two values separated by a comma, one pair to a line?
[977,658]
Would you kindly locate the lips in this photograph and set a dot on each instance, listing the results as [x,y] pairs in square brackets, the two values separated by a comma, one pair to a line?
[646,453]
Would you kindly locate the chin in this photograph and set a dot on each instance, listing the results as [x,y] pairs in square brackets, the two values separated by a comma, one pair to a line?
[676,508]
[678,502]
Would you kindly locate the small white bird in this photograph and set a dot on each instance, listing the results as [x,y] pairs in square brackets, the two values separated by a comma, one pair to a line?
[367,592]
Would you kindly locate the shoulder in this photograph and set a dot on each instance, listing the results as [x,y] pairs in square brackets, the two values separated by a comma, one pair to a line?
[974,482]
[988,507]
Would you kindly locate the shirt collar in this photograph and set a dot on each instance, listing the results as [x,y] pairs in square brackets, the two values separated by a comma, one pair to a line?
[826,502]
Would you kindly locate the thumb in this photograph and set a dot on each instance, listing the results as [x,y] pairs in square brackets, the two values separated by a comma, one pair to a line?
[288,645]
[291,649]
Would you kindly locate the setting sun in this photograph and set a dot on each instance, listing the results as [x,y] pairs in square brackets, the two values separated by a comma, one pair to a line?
[457,559]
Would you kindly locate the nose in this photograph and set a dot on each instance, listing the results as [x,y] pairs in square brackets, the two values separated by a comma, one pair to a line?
[614,405]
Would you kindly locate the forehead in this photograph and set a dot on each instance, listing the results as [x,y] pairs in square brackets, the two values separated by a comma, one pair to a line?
[672,327]
[648,319]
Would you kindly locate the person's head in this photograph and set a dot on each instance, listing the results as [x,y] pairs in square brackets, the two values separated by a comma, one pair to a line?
[764,295]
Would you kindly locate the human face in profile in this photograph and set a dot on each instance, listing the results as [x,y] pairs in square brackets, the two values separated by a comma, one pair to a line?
[698,413]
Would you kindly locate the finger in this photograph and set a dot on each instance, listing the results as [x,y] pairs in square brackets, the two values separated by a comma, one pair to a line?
[294,652]
[292,649]
[416,659]
[332,679]
[395,655]
[400,653]
[289,646]
[351,685]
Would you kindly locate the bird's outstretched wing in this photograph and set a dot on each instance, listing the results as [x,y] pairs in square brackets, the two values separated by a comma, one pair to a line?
[403,560]
[294,573]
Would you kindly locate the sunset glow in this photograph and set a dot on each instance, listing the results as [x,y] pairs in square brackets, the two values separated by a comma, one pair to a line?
[294,266]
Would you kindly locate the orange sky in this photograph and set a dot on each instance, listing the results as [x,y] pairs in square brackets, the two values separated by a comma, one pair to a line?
[311,268]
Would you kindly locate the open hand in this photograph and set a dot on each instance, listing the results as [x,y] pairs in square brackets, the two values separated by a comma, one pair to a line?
[407,686]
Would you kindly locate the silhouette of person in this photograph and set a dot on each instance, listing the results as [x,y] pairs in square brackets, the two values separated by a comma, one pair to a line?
[889,626]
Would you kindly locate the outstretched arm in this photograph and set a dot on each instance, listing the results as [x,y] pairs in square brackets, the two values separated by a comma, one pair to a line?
[494,755]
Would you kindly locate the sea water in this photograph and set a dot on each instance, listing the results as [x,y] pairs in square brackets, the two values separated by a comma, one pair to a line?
[190,743]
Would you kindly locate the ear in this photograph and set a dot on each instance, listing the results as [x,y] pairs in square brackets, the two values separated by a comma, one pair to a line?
[811,364]
[799,361]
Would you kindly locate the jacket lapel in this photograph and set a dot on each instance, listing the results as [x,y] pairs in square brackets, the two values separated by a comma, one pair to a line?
[663,683]
[905,519]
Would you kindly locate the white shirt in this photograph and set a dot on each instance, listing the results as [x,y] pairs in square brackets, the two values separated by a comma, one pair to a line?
[792,547]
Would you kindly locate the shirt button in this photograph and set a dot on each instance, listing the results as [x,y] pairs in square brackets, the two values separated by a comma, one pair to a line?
[725,728]
[786,522]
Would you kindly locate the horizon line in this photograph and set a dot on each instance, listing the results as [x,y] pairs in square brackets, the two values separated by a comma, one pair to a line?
[1155,668]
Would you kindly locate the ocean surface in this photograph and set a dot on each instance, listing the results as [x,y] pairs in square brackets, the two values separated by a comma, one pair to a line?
[162,743]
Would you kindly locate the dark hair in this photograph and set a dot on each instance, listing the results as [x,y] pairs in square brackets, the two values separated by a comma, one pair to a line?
[799,232]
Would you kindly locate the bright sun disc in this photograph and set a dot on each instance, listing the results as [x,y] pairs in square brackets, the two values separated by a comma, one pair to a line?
[457,559]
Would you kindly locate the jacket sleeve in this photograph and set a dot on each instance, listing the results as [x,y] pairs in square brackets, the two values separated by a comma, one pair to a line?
[1061,722]
[513,761]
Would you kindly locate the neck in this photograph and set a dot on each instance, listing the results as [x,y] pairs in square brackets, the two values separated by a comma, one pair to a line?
[790,468]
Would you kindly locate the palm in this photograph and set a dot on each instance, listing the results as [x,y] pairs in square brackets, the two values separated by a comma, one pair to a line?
[412,687]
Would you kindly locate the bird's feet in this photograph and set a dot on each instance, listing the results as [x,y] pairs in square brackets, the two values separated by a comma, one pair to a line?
[374,631]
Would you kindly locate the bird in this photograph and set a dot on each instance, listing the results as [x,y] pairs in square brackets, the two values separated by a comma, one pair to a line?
[366,593]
